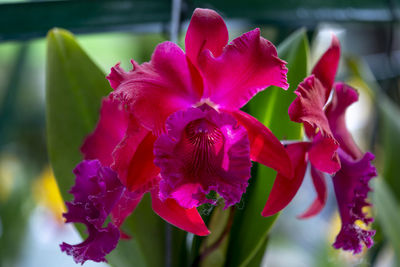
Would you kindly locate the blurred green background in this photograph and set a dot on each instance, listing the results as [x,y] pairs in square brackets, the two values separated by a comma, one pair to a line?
[116,31]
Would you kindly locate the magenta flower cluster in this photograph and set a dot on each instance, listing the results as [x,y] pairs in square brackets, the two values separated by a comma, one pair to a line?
[332,150]
[173,128]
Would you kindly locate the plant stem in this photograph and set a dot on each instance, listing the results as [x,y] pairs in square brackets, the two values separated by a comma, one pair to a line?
[208,250]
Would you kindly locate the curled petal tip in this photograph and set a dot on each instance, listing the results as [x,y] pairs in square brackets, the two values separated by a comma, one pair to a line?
[326,67]
[116,76]
[205,232]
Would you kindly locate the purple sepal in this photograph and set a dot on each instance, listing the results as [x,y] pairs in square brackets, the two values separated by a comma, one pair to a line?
[351,189]
[96,191]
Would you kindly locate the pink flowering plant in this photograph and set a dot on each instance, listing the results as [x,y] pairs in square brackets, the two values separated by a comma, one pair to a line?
[173,129]
[330,149]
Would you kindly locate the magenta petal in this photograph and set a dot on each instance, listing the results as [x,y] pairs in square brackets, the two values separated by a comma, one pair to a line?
[343,97]
[108,133]
[133,159]
[154,90]
[351,186]
[284,189]
[187,219]
[322,195]
[247,65]
[265,148]
[326,67]
[96,191]
[117,76]
[204,150]
[207,30]
[308,107]
[323,154]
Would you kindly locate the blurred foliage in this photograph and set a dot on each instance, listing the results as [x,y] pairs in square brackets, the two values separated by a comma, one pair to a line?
[15,207]
[22,149]
[388,215]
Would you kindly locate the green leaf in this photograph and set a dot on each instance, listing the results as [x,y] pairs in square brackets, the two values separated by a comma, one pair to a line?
[387,214]
[250,230]
[74,88]
[218,225]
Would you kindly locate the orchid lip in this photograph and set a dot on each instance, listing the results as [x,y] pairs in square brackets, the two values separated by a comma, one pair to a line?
[204,150]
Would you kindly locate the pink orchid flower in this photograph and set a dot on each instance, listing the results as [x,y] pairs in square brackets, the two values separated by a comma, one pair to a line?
[331,149]
[172,127]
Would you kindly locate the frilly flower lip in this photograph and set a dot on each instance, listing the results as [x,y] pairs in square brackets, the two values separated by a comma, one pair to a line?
[331,149]
[96,191]
[204,150]
[172,128]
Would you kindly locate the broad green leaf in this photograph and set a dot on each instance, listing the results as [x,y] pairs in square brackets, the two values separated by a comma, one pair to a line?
[74,88]
[250,230]
[387,213]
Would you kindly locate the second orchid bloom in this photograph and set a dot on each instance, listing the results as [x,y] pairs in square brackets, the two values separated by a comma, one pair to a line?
[330,149]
